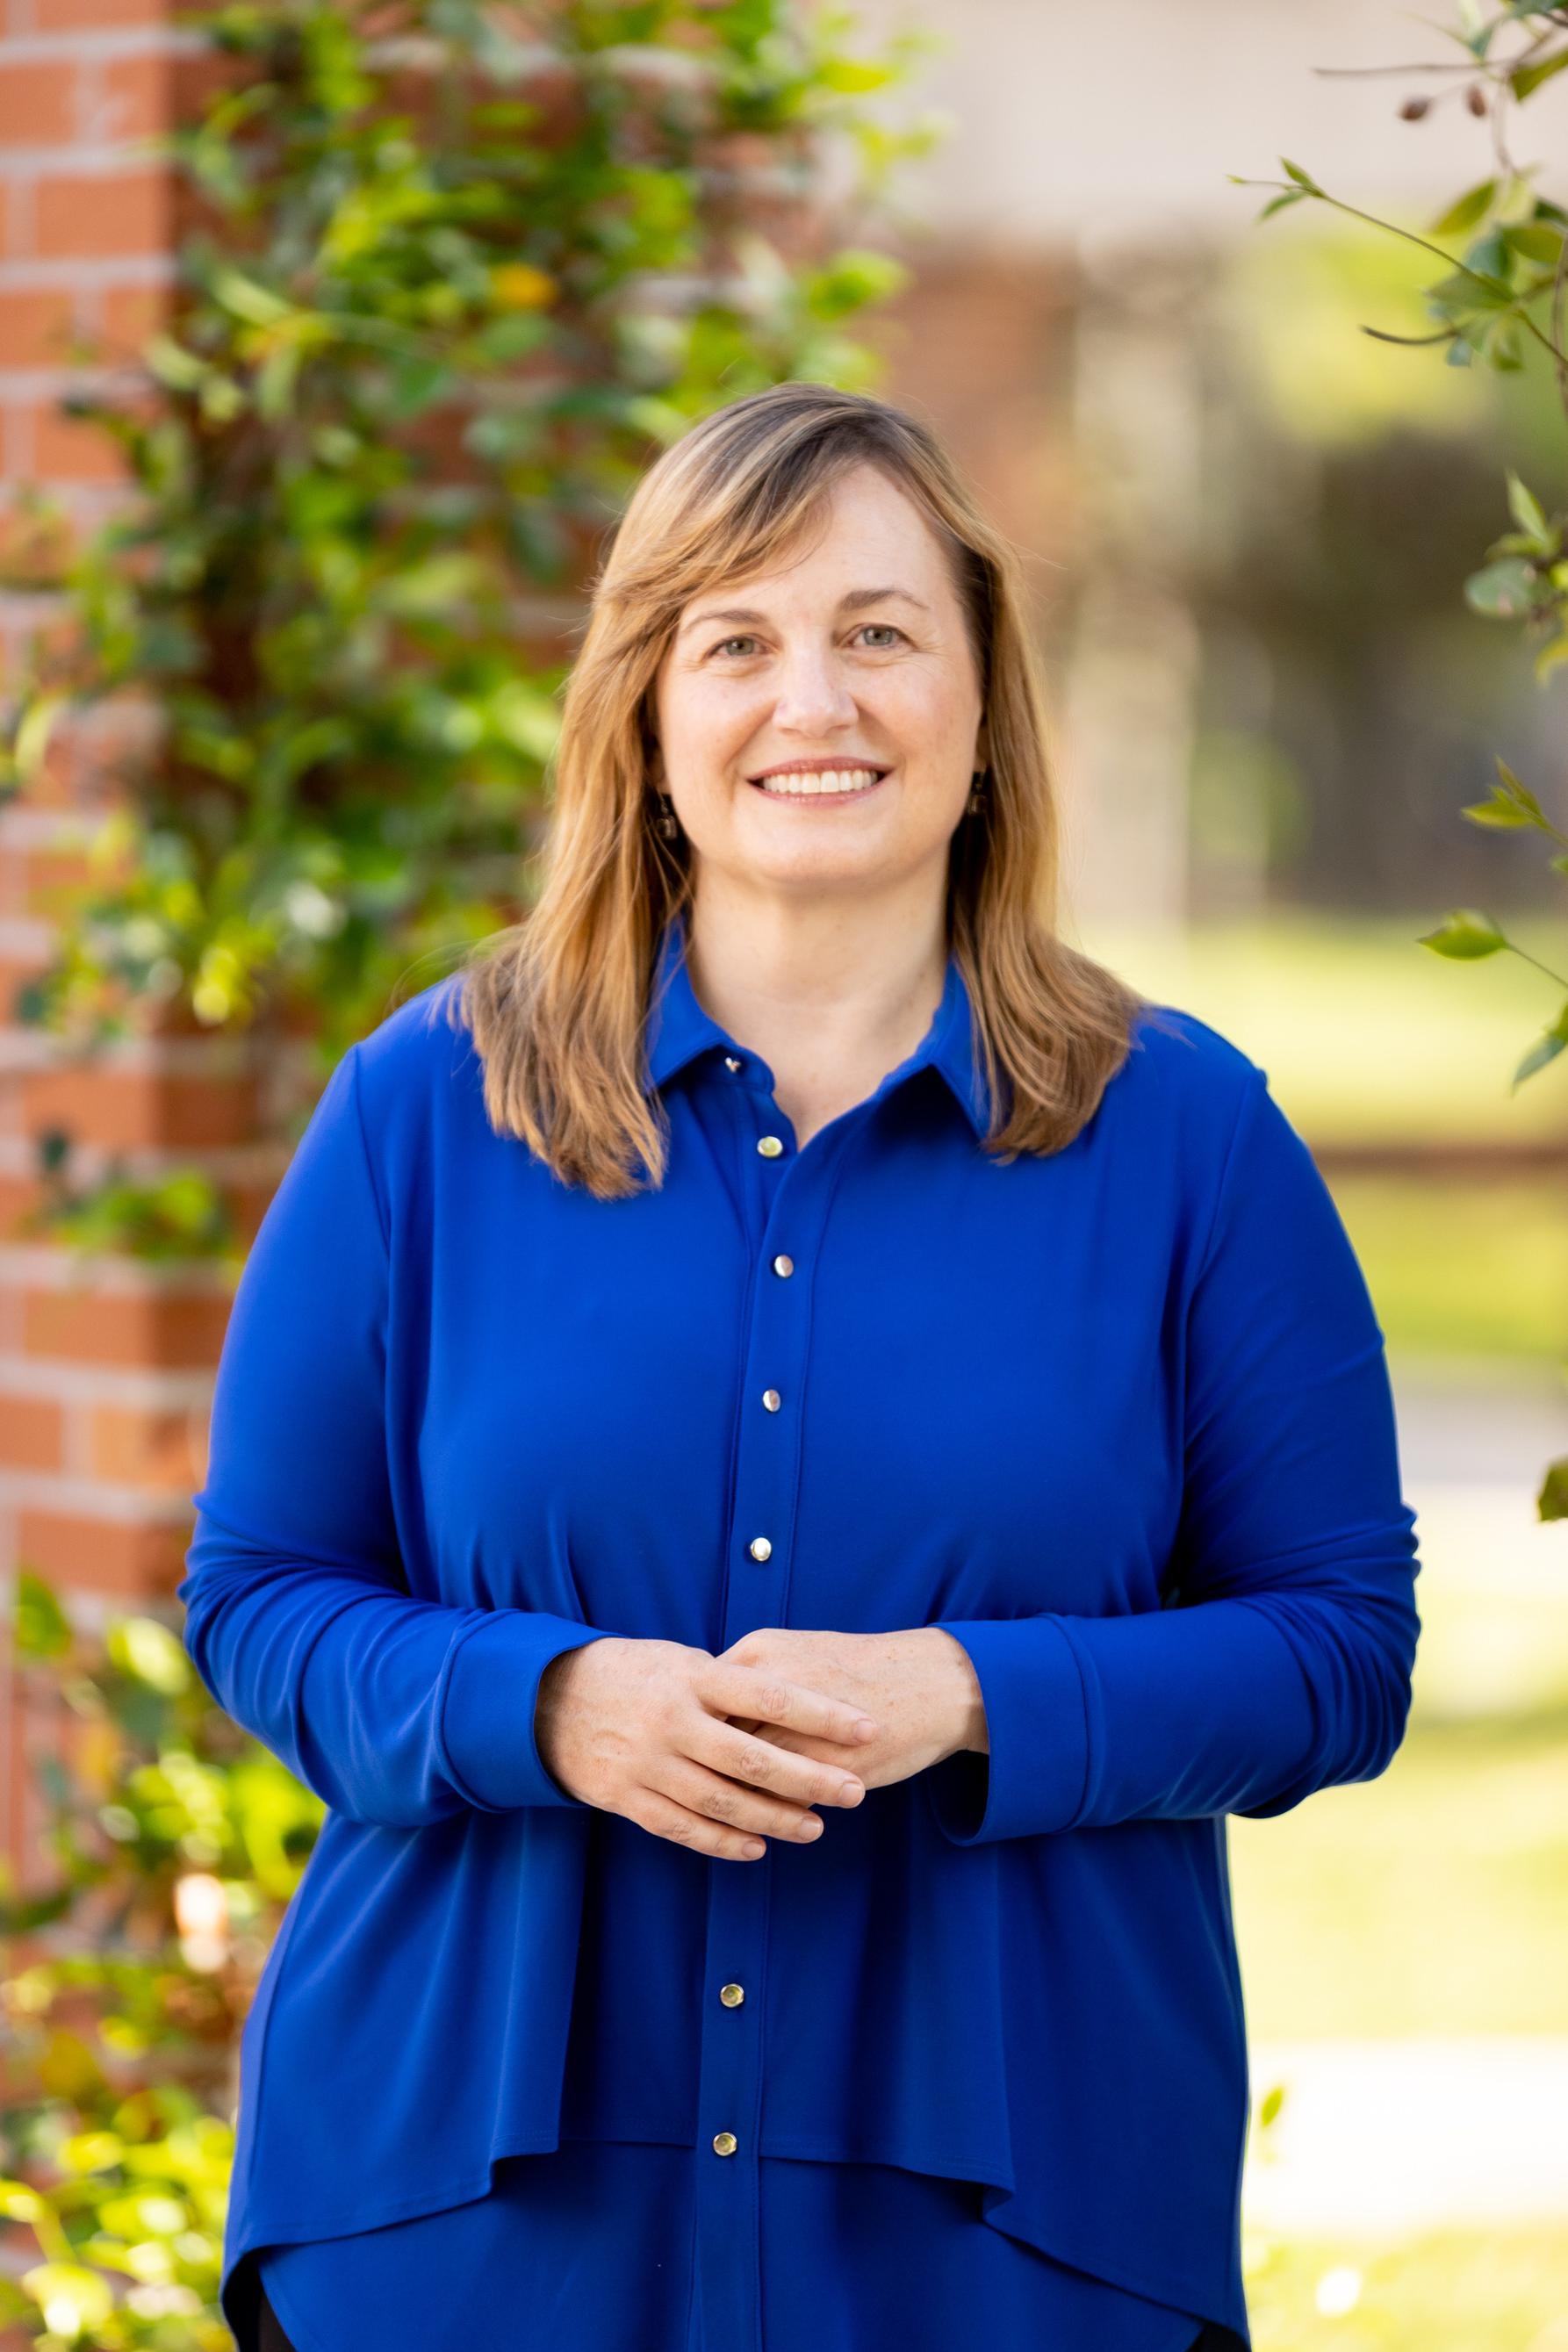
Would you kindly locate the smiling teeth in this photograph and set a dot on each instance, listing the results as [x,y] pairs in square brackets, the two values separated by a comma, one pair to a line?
[830,780]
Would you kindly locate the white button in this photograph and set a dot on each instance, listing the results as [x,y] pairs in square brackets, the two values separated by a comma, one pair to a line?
[783,1264]
[769,1146]
[759,1548]
[771,1399]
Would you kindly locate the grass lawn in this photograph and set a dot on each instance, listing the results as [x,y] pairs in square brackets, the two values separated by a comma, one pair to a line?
[1448,2291]
[1434,1900]
[1366,1034]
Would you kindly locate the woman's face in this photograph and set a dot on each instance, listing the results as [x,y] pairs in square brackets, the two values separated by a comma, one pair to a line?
[852,656]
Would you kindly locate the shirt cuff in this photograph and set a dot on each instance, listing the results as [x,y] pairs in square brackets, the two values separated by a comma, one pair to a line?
[487,1717]
[1035,1778]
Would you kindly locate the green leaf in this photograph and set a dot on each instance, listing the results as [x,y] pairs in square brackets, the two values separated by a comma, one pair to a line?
[276,380]
[1302,179]
[1526,511]
[1502,591]
[172,364]
[1528,78]
[37,726]
[1462,215]
[1462,296]
[433,587]
[1464,934]
[1546,1049]
[1534,240]
[148,1651]
[1499,811]
[1517,791]
[527,719]
[74,2301]
[41,1627]
[1552,1503]
[853,75]
[1489,257]
[244,298]
[1551,657]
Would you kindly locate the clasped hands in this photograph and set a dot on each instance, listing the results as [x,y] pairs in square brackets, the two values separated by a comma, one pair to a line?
[710,1751]
[919,1687]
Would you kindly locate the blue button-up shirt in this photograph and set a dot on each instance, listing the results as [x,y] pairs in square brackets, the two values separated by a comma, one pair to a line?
[1118,1418]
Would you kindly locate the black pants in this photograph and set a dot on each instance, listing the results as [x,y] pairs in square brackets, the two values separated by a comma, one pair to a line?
[271,2336]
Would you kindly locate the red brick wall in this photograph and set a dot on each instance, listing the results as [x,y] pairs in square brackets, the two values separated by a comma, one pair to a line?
[105,1374]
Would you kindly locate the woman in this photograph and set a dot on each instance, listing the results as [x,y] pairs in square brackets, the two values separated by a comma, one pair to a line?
[787,1449]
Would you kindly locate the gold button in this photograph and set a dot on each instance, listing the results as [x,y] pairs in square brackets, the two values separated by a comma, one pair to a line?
[724,2143]
[759,1548]
[769,1146]
[731,1063]
[731,1995]
[771,1399]
[782,1264]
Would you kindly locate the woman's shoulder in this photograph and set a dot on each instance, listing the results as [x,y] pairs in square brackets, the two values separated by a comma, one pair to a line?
[1181,1074]
[415,1059]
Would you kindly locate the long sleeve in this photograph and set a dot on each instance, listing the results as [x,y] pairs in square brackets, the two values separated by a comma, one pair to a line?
[1282,1661]
[299,1618]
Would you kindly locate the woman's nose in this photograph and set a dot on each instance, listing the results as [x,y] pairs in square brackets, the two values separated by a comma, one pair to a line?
[811,694]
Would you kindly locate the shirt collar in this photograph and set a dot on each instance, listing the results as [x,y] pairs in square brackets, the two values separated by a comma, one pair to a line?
[678,1029]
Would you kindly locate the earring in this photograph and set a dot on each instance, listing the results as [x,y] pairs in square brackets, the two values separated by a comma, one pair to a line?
[665,820]
[976,804]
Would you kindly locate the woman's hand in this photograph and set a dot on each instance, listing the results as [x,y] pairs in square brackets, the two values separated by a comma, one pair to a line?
[652,1729]
[920,1686]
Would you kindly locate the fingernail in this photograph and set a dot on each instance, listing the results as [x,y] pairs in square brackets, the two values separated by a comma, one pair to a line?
[864,1728]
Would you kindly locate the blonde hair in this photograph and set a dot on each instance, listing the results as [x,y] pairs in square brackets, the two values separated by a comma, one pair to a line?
[556,1003]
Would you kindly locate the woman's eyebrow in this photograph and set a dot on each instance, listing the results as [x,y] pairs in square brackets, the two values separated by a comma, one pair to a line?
[852,601]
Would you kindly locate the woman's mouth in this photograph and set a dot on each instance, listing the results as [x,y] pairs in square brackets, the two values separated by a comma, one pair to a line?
[831,784]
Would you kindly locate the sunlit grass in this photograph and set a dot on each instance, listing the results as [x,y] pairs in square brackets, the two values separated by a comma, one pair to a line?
[1365,1034]
[1368,1037]
[1445,2291]
[1463,1268]
[1434,1900]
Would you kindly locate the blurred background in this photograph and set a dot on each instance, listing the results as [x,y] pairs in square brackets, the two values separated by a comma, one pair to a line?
[282,645]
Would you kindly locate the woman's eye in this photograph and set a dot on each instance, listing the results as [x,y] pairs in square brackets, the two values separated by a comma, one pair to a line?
[724,643]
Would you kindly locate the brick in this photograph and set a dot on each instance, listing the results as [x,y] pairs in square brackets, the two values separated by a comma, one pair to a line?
[175,1330]
[153,1449]
[37,326]
[16,969]
[198,77]
[32,1434]
[127,315]
[34,548]
[77,16]
[73,449]
[19,1196]
[92,757]
[46,879]
[95,1555]
[98,215]
[128,97]
[37,101]
[121,1109]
